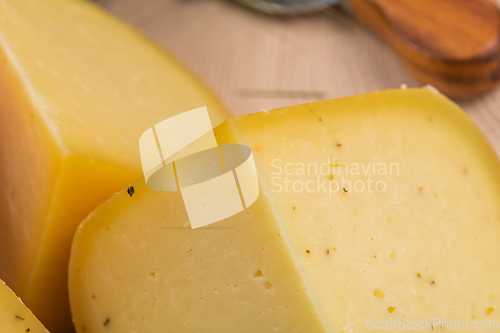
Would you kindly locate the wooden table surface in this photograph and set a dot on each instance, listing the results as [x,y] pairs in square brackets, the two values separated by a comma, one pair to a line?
[255,61]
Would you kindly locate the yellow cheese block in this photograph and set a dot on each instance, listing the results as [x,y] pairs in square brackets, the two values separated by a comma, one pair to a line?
[15,317]
[374,208]
[77,88]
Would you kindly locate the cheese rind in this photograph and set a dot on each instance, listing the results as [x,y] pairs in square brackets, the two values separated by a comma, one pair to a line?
[426,245]
[77,88]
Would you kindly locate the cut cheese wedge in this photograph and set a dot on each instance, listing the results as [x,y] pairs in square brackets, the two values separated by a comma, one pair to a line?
[374,208]
[15,317]
[77,88]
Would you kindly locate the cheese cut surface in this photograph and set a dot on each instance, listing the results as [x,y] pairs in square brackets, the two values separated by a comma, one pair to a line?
[15,317]
[425,246]
[77,88]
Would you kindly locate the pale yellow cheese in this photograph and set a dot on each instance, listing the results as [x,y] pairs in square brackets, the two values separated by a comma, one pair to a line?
[427,246]
[77,88]
[15,317]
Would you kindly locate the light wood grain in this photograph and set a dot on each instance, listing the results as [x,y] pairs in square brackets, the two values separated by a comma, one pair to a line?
[255,61]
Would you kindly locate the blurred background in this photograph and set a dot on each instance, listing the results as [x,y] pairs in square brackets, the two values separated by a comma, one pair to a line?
[256,61]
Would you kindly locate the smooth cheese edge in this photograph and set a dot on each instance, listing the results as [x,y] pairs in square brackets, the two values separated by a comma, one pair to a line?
[70,114]
[55,186]
[310,252]
[79,90]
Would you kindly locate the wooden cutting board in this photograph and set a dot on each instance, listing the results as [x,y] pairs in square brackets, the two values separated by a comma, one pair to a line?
[255,61]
